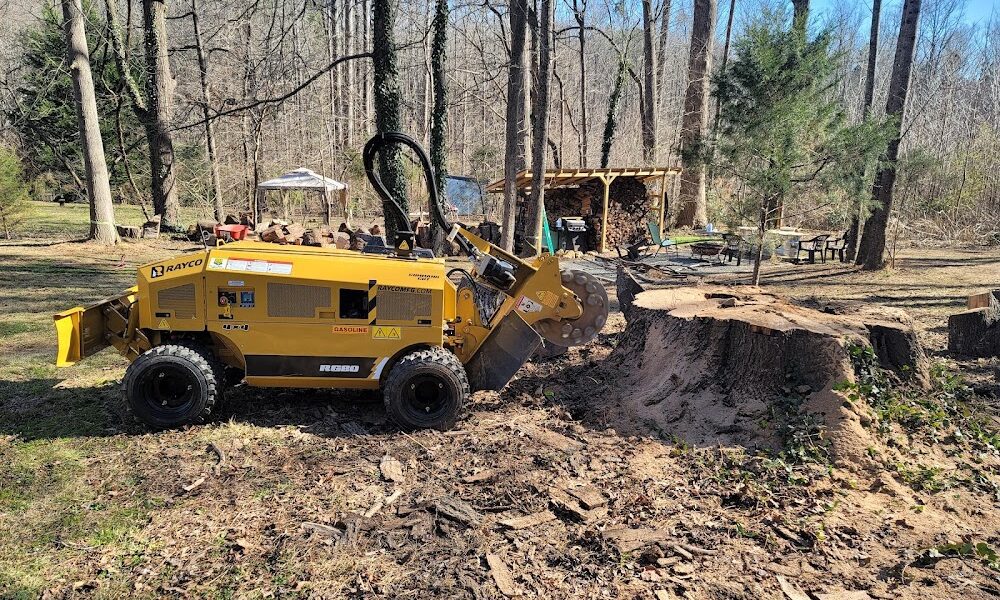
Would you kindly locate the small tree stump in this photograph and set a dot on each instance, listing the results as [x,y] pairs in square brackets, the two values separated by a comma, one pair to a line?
[975,332]
[128,232]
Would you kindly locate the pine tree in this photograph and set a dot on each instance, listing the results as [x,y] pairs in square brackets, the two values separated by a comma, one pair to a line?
[782,131]
[13,194]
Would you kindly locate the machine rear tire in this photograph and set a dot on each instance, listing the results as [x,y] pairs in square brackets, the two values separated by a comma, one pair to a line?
[426,389]
[171,385]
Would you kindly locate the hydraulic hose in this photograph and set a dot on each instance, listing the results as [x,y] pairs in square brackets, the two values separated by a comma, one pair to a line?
[382,140]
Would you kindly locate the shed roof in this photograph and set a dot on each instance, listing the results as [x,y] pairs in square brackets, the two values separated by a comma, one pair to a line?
[301,179]
[559,178]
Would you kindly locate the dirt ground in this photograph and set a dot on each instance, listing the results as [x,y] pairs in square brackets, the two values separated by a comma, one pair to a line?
[312,494]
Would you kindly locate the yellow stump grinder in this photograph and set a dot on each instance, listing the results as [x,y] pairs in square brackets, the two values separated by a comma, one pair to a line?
[393,318]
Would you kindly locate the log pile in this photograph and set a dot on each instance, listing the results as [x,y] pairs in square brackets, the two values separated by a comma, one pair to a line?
[976,331]
[322,236]
[628,208]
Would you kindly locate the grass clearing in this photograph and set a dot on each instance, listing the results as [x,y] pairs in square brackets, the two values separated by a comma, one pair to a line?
[48,220]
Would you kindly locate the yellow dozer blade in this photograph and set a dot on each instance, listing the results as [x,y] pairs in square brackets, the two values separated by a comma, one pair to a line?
[85,331]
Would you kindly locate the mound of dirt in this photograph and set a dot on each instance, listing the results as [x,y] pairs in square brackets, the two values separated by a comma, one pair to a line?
[713,365]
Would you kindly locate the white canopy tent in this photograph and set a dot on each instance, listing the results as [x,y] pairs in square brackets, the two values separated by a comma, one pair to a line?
[304,180]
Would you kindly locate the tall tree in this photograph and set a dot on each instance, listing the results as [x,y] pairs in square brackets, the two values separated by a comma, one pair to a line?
[206,99]
[514,153]
[540,122]
[661,53]
[871,251]
[580,14]
[153,104]
[386,95]
[694,210]
[102,214]
[854,229]
[648,83]
[439,117]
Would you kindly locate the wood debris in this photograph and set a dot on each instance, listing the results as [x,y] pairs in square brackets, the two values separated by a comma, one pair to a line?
[589,496]
[502,576]
[457,510]
[792,591]
[562,501]
[551,438]
[392,469]
[629,540]
[529,520]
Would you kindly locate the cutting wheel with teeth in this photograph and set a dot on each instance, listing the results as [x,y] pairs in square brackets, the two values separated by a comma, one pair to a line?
[594,299]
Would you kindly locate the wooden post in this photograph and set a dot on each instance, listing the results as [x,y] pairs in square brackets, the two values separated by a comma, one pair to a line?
[326,206]
[284,205]
[604,216]
[663,202]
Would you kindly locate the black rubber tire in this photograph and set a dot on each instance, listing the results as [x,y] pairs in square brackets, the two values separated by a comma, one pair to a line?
[170,386]
[426,389]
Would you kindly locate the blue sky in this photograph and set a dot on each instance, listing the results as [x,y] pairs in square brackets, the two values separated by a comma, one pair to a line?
[975,10]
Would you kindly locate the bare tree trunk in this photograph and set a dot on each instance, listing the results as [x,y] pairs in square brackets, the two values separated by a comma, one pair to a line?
[102,215]
[580,14]
[854,229]
[661,53]
[348,79]
[387,110]
[160,91]
[648,84]
[871,252]
[514,159]
[694,210]
[540,124]
[206,98]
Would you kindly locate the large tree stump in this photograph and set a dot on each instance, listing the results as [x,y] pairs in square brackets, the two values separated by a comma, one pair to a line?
[710,364]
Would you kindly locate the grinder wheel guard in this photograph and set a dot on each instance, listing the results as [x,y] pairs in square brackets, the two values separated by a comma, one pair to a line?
[594,300]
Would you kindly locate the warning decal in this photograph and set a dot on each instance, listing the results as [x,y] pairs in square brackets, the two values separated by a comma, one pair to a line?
[217,263]
[251,265]
[527,305]
[350,329]
[384,332]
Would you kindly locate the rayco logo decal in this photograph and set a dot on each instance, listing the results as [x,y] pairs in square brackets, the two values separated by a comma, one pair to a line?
[160,270]
[339,368]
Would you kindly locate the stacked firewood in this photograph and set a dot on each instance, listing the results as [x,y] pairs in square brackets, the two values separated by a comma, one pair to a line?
[628,209]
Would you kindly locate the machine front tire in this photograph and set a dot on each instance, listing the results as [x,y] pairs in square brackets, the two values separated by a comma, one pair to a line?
[426,389]
[170,386]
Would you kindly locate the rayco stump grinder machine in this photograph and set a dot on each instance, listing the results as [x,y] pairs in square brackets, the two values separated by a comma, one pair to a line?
[392,318]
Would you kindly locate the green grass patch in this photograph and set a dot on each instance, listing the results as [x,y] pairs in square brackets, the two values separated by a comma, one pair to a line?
[72,221]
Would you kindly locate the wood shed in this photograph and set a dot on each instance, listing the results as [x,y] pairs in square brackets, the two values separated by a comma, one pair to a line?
[614,201]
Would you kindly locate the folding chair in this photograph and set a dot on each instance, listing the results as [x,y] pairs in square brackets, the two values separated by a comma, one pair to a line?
[661,243]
